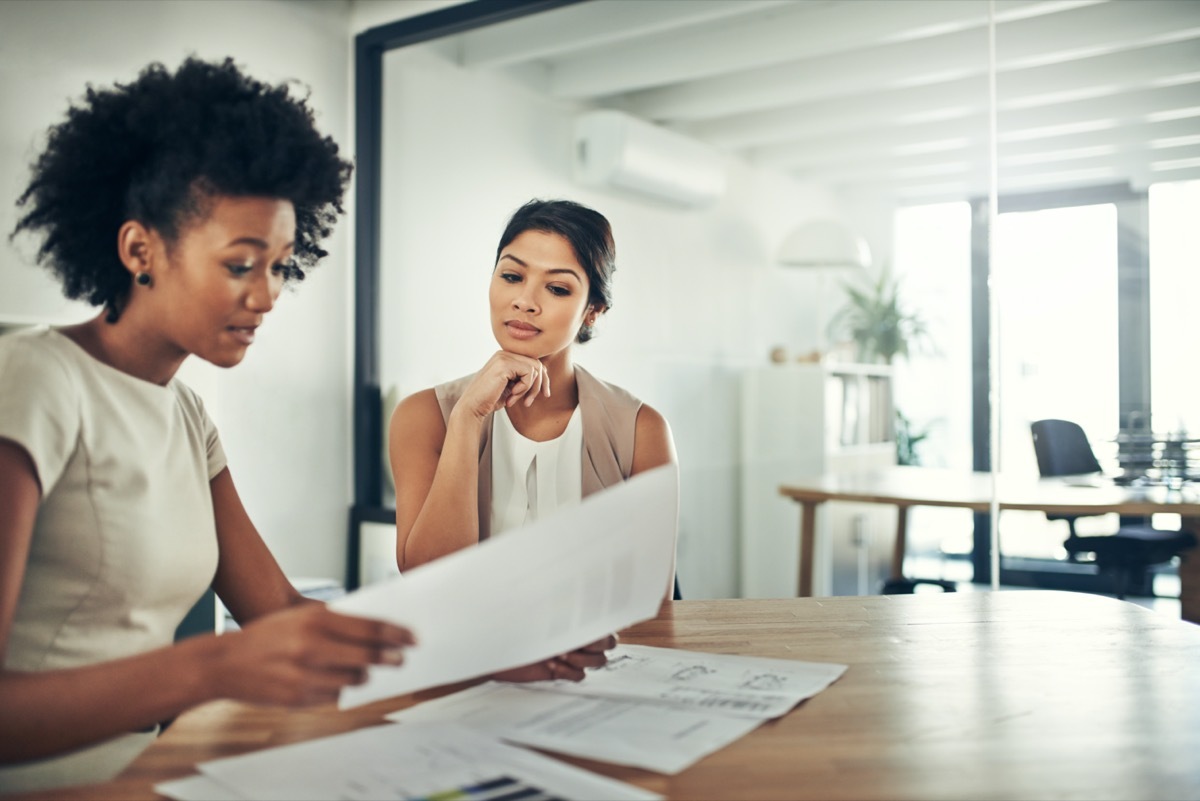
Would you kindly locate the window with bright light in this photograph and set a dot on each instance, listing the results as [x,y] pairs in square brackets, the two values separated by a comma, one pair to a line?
[1174,294]
[932,258]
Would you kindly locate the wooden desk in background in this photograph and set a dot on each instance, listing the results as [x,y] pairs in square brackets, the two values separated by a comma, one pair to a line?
[905,487]
[1013,695]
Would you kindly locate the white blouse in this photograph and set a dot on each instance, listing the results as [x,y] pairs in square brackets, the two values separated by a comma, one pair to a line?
[531,479]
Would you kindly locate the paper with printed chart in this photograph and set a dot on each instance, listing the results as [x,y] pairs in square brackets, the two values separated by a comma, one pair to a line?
[550,587]
[660,709]
[390,762]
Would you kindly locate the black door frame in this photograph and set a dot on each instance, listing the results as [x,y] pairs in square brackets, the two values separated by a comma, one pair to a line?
[370,46]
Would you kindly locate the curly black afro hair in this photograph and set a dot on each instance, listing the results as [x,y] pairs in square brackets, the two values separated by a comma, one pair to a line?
[155,150]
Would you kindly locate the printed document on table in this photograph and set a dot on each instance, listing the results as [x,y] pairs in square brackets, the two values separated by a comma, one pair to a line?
[661,709]
[555,585]
[725,684]
[653,737]
[382,763]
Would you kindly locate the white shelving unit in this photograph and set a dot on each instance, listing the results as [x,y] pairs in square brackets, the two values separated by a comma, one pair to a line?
[803,420]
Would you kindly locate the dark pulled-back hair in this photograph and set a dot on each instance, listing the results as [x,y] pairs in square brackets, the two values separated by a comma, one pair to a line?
[159,150]
[589,234]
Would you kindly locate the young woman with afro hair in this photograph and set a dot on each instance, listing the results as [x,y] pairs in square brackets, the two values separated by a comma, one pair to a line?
[180,204]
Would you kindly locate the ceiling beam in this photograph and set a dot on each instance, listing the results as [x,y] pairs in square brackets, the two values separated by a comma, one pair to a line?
[975,185]
[1128,71]
[1126,107]
[1085,35]
[589,26]
[1124,159]
[1156,141]
[793,32]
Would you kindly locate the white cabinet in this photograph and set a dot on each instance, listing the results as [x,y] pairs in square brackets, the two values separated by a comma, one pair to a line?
[802,420]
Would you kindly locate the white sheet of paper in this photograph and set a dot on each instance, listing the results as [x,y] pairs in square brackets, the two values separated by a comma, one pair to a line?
[383,763]
[197,788]
[555,585]
[654,737]
[718,684]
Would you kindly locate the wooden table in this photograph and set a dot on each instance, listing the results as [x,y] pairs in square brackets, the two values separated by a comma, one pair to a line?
[905,487]
[1008,695]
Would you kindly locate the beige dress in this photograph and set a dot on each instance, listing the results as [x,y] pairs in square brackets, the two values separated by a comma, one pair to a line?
[125,540]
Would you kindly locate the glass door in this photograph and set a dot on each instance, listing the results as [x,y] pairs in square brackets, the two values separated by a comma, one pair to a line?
[1057,282]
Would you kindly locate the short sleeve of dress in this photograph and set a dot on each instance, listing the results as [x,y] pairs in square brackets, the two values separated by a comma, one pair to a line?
[39,406]
[212,441]
[193,406]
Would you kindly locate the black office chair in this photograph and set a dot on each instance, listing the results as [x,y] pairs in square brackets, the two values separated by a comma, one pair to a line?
[1062,449]
[908,586]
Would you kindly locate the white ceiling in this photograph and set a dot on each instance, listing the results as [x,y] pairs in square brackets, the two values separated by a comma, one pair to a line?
[884,96]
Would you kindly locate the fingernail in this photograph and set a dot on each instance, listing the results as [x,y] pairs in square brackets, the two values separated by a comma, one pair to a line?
[392,656]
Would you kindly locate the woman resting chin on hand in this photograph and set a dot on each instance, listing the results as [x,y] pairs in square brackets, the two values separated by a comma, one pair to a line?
[530,431]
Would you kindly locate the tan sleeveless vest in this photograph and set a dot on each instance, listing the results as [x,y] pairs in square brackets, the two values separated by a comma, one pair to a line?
[609,422]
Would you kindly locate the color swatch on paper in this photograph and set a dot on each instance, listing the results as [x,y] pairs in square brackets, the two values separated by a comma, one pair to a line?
[502,788]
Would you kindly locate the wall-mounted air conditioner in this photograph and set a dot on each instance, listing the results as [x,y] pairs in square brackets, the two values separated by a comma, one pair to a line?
[613,149]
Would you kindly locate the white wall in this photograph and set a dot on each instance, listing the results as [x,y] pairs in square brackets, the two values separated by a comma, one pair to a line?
[697,295]
[284,414]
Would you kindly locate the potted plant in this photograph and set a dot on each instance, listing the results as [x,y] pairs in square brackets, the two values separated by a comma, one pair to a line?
[874,316]
[907,439]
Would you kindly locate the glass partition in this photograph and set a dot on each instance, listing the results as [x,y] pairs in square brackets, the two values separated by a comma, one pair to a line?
[1024,173]
[1097,113]
[876,118]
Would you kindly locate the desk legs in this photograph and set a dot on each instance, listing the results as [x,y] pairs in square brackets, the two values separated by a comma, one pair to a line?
[901,544]
[808,538]
[808,530]
[1189,575]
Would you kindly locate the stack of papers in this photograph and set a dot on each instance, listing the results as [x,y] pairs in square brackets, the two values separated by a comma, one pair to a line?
[389,762]
[660,709]
[561,582]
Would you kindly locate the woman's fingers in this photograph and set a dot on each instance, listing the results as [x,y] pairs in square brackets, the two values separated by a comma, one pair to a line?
[356,642]
[538,671]
[599,646]
[306,654]
[541,388]
[582,659]
[526,386]
[366,631]
[523,377]
[317,686]
[562,667]
[593,655]
[336,655]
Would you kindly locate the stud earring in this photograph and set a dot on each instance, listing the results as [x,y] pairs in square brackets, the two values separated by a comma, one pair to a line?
[143,279]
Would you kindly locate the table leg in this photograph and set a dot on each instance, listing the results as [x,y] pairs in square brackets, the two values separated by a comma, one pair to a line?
[1189,575]
[808,537]
[900,546]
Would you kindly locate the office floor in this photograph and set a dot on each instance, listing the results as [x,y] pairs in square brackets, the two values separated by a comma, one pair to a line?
[1166,584]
